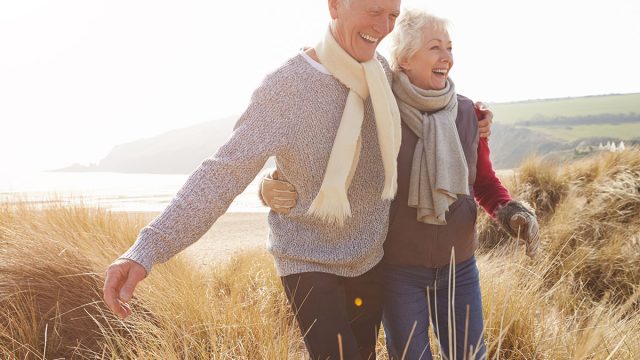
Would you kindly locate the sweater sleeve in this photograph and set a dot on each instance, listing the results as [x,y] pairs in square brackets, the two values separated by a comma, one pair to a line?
[263,130]
[488,190]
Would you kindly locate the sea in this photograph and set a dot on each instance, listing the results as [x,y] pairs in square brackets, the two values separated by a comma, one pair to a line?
[113,191]
[117,191]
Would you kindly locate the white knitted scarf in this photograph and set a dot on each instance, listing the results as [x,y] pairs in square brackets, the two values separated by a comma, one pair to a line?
[363,80]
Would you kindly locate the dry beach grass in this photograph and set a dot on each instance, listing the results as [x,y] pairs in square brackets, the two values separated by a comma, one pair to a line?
[577,300]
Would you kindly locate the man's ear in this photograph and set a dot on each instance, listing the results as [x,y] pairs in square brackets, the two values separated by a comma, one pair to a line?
[333,8]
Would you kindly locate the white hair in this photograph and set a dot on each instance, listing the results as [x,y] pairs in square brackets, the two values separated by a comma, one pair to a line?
[407,36]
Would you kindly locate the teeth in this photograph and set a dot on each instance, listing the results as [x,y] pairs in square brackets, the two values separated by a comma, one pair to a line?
[368,37]
[440,71]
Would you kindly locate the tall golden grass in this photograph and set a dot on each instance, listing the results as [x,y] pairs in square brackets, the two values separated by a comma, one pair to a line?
[52,265]
[577,300]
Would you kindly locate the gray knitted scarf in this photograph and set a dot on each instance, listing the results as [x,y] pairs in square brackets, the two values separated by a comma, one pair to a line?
[439,170]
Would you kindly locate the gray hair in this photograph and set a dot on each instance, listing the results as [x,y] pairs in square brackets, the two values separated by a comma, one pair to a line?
[407,36]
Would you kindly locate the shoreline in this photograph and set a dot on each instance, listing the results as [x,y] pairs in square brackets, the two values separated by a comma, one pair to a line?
[233,232]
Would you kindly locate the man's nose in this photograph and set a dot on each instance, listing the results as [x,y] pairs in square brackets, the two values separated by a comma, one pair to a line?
[383,25]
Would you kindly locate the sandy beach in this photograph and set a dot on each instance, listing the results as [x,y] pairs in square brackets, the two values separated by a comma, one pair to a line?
[233,232]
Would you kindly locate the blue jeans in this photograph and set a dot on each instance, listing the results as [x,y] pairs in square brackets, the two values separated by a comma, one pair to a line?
[415,295]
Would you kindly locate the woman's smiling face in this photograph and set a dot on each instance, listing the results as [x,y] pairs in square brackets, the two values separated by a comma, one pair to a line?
[429,67]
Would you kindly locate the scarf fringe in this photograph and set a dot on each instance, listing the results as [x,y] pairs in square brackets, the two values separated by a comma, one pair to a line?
[331,206]
[390,188]
[335,208]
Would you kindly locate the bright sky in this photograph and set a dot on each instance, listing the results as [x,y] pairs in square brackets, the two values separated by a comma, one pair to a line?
[78,77]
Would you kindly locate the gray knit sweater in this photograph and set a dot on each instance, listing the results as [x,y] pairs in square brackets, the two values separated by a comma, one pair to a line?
[294,115]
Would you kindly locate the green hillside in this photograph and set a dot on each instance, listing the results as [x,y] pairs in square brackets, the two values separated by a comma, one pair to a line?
[571,133]
[551,126]
[511,113]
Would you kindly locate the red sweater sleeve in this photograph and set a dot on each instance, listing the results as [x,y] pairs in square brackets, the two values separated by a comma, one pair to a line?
[488,190]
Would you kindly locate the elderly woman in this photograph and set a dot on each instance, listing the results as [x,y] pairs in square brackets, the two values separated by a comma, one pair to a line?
[442,166]
[429,268]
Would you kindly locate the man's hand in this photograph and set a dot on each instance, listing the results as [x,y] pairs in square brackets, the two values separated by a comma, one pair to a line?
[122,278]
[485,117]
[278,194]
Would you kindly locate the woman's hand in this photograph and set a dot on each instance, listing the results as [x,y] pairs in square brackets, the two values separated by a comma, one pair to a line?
[519,220]
[277,193]
[526,227]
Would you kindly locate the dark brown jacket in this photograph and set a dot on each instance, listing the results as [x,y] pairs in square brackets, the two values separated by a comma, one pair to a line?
[412,243]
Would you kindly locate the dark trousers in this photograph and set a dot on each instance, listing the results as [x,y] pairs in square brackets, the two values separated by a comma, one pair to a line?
[337,315]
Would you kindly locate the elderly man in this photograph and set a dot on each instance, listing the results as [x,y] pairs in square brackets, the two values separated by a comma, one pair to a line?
[315,120]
